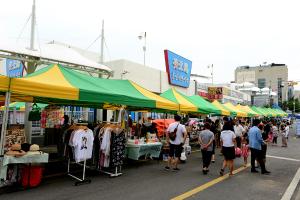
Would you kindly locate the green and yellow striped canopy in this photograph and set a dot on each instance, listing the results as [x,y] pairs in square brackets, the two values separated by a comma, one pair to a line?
[224,110]
[185,105]
[233,109]
[56,84]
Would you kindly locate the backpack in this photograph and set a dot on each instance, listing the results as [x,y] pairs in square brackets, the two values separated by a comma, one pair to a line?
[172,135]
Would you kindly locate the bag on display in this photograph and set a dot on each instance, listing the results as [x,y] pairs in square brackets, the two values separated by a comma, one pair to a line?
[35,113]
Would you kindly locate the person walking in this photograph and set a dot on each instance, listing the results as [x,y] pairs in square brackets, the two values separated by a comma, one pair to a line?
[238,131]
[228,147]
[179,132]
[206,138]
[275,133]
[255,143]
[284,135]
[245,151]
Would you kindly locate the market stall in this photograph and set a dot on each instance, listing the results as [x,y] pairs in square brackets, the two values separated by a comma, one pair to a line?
[232,108]
[205,107]
[224,110]
[56,85]
[247,110]
[184,104]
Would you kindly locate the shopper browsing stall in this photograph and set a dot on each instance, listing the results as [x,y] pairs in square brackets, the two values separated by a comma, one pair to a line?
[176,136]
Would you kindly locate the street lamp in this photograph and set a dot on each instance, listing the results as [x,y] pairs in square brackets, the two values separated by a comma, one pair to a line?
[123,73]
[143,36]
[212,72]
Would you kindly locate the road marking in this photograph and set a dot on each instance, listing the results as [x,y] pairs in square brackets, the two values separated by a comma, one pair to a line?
[291,189]
[283,158]
[207,185]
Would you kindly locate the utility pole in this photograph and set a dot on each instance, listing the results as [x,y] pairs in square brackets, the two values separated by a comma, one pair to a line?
[102,43]
[98,114]
[30,69]
[32,26]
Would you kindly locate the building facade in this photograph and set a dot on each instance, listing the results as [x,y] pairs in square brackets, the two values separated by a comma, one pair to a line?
[272,76]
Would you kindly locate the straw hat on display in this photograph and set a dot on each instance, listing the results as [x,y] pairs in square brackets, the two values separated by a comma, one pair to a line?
[15,150]
[34,150]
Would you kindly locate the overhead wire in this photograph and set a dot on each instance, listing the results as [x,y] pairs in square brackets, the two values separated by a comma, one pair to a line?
[22,30]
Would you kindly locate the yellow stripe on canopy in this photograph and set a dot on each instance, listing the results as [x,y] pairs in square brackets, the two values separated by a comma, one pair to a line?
[51,84]
[247,110]
[224,111]
[4,83]
[239,113]
[161,102]
[185,105]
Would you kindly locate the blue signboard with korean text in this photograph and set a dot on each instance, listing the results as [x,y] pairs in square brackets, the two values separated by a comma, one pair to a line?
[178,69]
[14,68]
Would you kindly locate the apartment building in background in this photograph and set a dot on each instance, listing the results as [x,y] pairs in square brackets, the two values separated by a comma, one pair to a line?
[272,76]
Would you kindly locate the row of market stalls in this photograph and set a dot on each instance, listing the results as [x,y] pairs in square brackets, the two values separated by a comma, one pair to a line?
[63,86]
[60,86]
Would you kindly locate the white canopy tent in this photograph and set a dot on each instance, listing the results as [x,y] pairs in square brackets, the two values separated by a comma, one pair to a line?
[52,53]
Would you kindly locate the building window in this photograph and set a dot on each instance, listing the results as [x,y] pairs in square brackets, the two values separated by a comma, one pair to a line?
[261,83]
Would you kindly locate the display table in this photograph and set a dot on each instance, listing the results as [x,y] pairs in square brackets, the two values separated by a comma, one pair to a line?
[135,151]
[26,159]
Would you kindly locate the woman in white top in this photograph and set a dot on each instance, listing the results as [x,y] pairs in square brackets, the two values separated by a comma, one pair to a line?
[275,133]
[228,147]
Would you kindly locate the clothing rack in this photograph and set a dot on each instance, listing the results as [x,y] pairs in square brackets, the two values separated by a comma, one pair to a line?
[117,172]
[80,181]
[83,180]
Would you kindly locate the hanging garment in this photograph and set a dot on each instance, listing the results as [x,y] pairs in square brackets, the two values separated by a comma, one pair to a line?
[105,146]
[117,149]
[82,141]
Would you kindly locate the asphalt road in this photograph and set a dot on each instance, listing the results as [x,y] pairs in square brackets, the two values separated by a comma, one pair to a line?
[148,180]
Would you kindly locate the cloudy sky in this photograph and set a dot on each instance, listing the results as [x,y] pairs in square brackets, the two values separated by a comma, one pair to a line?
[226,34]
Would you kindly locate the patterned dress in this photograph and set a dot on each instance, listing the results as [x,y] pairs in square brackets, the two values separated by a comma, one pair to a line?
[117,149]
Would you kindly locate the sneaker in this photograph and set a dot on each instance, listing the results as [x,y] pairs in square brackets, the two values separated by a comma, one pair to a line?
[176,169]
[213,161]
[222,172]
[265,172]
[254,171]
[167,168]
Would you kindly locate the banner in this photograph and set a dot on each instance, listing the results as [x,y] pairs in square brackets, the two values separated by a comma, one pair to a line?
[14,68]
[178,69]
[215,93]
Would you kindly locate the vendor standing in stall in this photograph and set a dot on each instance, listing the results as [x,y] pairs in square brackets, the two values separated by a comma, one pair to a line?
[176,136]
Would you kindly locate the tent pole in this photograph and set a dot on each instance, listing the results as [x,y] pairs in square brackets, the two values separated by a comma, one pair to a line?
[4,122]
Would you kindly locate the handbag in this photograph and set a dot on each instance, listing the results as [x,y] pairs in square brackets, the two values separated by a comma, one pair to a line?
[172,135]
[35,113]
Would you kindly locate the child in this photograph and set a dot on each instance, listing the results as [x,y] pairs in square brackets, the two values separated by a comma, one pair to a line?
[245,151]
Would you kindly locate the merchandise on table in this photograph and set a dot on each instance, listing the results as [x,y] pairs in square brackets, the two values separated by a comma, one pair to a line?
[14,135]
